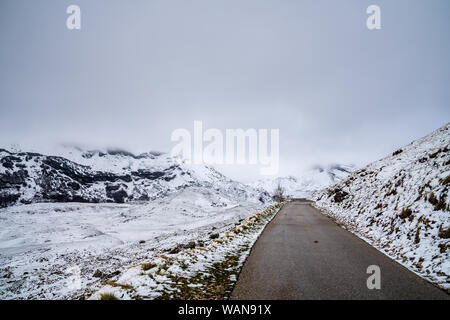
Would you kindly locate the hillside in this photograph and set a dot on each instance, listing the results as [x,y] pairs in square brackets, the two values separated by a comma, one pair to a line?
[400,205]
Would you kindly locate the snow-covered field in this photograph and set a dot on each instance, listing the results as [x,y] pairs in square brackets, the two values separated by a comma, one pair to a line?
[400,205]
[208,272]
[44,245]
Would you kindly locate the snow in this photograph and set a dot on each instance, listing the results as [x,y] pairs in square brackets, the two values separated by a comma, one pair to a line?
[40,241]
[388,204]
[164,277]
[67,173]
[304,185]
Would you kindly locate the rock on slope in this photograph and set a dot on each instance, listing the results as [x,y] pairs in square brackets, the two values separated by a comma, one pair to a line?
[106,176]
[400,205]
[309,182]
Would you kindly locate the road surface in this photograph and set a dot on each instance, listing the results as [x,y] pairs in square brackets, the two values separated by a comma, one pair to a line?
[302,254]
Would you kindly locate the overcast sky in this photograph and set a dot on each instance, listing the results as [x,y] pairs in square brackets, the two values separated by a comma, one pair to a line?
[137,70]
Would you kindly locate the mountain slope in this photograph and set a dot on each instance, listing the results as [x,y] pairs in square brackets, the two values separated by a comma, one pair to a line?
[310,181]
[106,176]
[400,205]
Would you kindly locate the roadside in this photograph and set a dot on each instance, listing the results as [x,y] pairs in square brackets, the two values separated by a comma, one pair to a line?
[193,273]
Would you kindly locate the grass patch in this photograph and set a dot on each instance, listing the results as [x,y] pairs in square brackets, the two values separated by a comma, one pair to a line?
[212,284]
[417,236]
[432,199]
[123,286]
[444,234]
[148,266]
[445,181]
[107,296]
[405,213]
[438,204]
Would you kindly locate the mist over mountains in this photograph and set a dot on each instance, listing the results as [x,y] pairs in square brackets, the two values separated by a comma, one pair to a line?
[302,186]
[72,174]
[117,176]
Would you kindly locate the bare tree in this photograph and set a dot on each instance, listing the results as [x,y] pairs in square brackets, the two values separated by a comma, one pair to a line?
[278,193]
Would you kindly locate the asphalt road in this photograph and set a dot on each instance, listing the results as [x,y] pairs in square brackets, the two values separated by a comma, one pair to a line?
[302,254]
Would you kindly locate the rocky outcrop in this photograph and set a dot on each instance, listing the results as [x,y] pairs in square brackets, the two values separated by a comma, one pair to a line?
[31,177]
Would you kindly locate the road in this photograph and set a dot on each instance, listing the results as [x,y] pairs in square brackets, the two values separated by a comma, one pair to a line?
[302,254]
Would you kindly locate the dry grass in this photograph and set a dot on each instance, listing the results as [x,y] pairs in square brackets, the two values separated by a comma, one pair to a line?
[217,281]
[148,266]
[107,296]
[115,284]
[406,213]
[444,234]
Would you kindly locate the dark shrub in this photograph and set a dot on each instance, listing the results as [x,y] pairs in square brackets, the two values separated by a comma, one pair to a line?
[432,199]
[339,195]
[406,212]
[444,234]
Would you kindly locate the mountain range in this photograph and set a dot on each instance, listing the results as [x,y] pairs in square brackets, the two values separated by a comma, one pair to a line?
[74,175]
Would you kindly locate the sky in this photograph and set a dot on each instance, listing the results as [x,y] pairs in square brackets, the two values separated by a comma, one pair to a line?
[137,70]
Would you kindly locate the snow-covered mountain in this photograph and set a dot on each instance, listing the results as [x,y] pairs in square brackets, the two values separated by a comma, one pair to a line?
[400,205]
[75,175]
[310,181]
[157,205]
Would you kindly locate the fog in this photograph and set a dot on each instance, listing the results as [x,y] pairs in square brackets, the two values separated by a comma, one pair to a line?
[138,70]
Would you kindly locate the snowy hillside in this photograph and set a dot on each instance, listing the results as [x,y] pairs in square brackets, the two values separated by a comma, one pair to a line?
[118,176]
[310,181]
[400,205]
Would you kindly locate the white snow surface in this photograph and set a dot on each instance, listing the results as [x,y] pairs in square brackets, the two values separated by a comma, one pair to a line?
[388,204]
[164,273]
[40,242]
